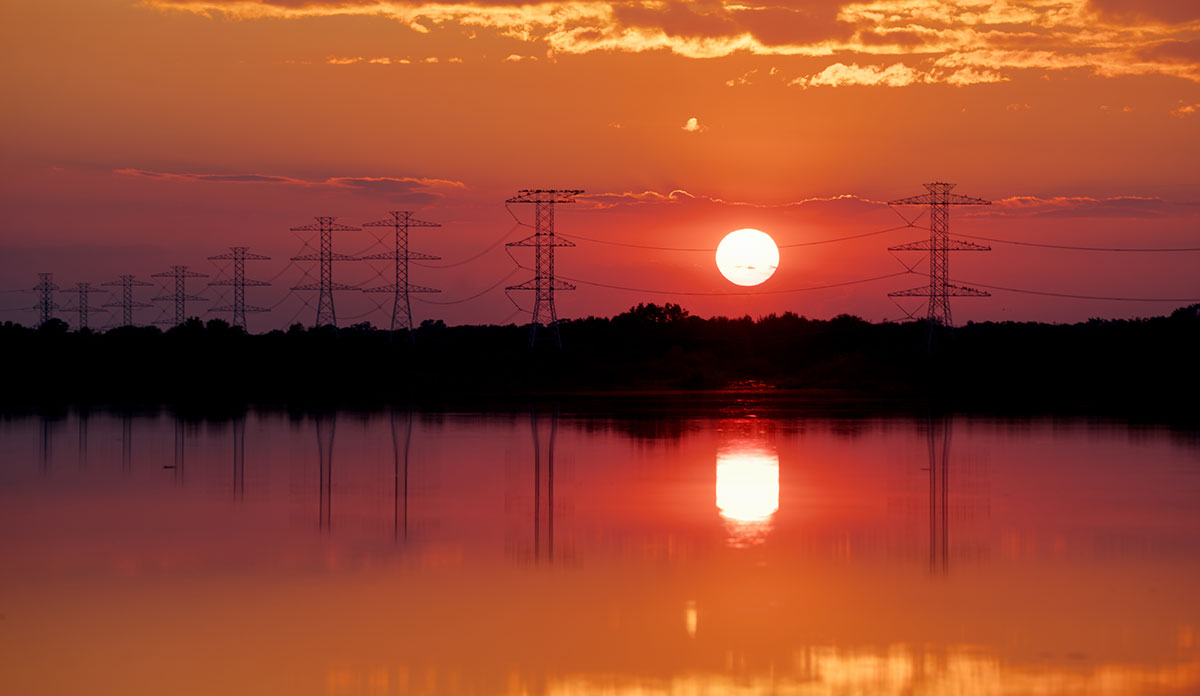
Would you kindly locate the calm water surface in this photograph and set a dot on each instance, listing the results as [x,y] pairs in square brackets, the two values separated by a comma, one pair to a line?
[397,553]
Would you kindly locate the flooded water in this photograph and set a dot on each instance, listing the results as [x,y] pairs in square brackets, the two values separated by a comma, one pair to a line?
[535,553]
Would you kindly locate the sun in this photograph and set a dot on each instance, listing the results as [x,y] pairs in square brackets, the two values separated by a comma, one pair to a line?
[747,257]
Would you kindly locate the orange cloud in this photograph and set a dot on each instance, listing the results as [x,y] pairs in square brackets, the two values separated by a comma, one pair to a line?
[1109,37]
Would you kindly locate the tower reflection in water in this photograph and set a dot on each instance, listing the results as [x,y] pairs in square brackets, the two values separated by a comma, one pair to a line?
[747,484]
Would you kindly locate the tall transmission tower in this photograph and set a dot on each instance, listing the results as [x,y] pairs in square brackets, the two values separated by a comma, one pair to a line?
[543,241]
[180,296]
[239,256]
[326,227]
[83,290]
[46,304]
[127,304]
[940,290]
[400,221]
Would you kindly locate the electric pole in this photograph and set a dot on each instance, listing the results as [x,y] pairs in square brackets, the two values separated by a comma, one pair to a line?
[180,296]
[401,221]
[325,256]
[543,242]
[127,304]
[46,304]
[83,290]
[239,256]
[939,245]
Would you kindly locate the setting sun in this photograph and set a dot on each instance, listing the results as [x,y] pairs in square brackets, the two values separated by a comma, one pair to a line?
[747,257]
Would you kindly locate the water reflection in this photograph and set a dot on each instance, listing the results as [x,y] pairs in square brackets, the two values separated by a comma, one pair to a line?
[828,590]
[537,484]
[401,427]
[747,489]
[938,432]
[326,425]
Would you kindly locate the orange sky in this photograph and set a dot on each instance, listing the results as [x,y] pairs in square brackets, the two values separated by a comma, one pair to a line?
[138,135]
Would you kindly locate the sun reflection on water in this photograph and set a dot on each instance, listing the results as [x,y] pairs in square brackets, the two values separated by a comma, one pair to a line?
[747,490]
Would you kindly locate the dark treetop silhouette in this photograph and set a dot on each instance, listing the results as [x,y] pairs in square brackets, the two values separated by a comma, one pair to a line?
[1136,366]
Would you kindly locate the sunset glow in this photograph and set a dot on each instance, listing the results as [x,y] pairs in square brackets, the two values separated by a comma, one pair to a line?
[681,121]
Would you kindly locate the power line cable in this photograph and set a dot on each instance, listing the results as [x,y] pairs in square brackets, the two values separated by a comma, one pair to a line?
[491,246]
[760,292]
[1080,297]
[1077,248]
[481,293]
[575,237]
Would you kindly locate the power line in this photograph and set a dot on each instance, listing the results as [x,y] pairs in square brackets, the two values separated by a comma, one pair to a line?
[1086,297]
[760,292]
[491,246]
[481,293]
[1079,248]
[574,237]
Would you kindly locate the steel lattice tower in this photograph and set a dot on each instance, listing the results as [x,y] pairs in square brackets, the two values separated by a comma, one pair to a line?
[127,283]
[180,296]
[940,290]
[83,290]
[46,304]
[326,227]
[400,221]
[543,242]
[239,256]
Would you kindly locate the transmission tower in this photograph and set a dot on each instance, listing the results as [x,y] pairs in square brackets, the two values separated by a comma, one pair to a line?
[180,296]
[543,241]
[940,290]
[326,226]
[400,221]
[127,283]
[83,290]
[239,256]
[46,304]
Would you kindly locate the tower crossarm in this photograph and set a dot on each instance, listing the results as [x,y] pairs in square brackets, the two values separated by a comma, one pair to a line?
[232,308]
[401,218]
[236,255]
[247,282]
[135,304]
[179,272]
[949,199]
[330,286]
[128,281]
[400,256]
[392,287]
[330,257]
[533,284]
[951,245]
[950,290]
[545,196]
[326,224]
[176,298]
[545,240]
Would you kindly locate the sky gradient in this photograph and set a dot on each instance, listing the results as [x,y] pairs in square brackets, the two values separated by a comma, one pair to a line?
[145,134]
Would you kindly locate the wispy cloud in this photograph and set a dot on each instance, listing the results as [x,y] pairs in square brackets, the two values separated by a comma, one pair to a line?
[414,189]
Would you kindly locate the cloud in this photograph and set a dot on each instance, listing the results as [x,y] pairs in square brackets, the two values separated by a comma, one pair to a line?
[413,189]
[895,75]
[679,196]
[949,41]
[693,125]
[1129,207]
[1184,110]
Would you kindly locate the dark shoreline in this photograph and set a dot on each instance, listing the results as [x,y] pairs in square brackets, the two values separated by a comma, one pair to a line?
[646,359]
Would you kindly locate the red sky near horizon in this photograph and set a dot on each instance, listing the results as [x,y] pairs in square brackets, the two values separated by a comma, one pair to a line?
[142,134]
